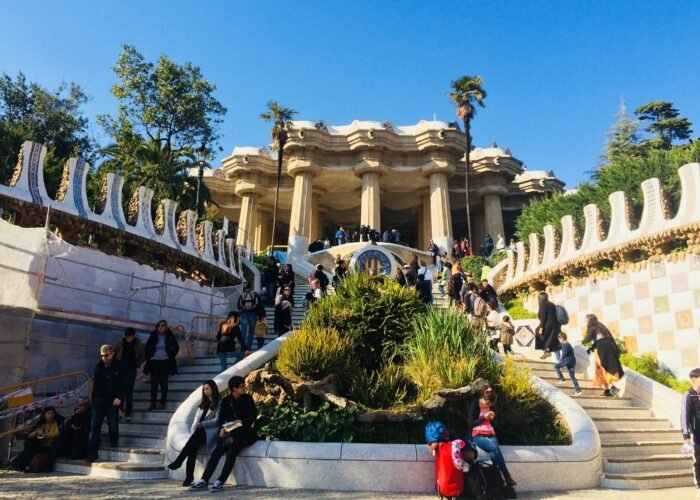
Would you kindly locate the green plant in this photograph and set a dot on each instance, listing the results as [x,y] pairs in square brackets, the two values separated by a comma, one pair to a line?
[315,353]
[472,265]
[649,367]
[516,309]
[289,422]
[260,262]
[496,258]
[382,388]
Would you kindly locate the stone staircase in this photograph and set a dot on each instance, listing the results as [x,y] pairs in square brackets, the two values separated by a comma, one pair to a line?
[141,453]
[640,451]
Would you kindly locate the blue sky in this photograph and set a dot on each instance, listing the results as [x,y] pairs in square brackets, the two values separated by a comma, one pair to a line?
[554,71]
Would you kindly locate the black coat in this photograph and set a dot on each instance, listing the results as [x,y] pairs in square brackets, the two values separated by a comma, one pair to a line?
[234,335]
[171,348]
[108,381]
[608,352]
[242,409]
[550,326]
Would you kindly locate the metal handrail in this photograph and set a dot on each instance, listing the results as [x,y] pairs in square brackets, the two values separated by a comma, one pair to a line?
[181,331]
[207,334]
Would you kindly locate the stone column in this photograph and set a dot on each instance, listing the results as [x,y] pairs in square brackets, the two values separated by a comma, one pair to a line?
[437,171]
[493,216]
[426,222]
[262,228]
[300,220]
[370,170]
[246,221]
[316,219]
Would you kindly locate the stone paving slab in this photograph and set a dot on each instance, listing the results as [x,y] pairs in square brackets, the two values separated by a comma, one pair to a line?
[15,485]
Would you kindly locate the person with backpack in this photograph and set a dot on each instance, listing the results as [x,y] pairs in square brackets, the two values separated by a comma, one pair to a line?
[248,304]
[568,360]
[229,340]
[507,335]
[548,329]
[608,368]
[690,423]
[427,275]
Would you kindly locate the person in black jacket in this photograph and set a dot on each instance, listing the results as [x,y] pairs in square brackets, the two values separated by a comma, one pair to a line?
[690,421]
[76,431]
[161,349]
[107,397]
[271,274]
[237,409]
[549,327]
[321,277]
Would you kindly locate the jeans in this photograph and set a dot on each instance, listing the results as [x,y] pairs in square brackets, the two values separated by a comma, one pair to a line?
[101,408]
[129,380]
[230,446]
[429,288]
[248,321]
[490,444]
[160,371]
[441,289]
[197,439]
[270,289]
[235,355]
[572,374]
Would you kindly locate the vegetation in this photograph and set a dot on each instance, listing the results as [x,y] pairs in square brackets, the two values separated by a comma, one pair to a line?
[383,388]
[467,92]
[515,307]
[648,366]
[289,422]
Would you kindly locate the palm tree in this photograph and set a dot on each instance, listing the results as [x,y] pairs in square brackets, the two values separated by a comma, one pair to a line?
[281,118]
[467,91]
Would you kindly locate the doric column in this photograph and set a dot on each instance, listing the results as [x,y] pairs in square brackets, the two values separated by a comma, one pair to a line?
[300,220]
[262,228]
[493,216]
[438,170]
[316,218]
[426,222]
[370,170]
[249,190]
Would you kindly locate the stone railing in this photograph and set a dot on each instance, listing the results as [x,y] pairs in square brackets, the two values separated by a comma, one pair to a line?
[176,243]
[562,258]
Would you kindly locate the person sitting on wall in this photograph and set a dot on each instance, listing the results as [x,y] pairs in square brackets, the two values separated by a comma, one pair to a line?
[43,439]
[237,430]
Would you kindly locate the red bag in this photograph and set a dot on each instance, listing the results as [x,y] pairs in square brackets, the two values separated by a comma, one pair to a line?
[449,481]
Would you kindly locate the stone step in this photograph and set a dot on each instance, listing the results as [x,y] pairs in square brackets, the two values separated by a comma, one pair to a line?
[176,394]
[586,391]
[152,416]
[200,370]
[551,378]
[136,426]
[173,385]
[618,412]
[134,455]
[638,449]
[626,434]
[128,439]
[587,400]
[648,479]
[141,403]
[651,463]
[647,423]
[113,470]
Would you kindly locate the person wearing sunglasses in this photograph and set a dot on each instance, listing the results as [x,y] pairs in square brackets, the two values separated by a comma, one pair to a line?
[161,349]
[107,396]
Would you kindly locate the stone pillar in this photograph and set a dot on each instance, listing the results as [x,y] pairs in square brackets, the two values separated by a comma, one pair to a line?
[427,223]
[370,213]
[440,214]
[316,218]
[246,221]
[493,216]
[262,229]
[300,220]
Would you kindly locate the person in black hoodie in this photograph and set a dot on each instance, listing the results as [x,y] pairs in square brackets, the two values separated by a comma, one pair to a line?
[548,328]
[130,354]
[107,397]
[161,350]
[76,431]
[690,421]
[237,409]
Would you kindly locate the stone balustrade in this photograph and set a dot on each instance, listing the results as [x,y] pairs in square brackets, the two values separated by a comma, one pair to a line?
[561,257]
[183,234]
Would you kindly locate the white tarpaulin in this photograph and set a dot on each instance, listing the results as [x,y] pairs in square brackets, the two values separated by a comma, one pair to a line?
[22,259]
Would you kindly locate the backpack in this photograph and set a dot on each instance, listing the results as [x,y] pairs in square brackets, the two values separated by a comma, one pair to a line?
[480,307]
[449,481]
[562,315]
[435,432]
[484,483]
[249,300]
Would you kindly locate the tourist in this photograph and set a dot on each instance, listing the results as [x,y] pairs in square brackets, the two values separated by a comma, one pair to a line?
[455,285]
[107,397]
[488,244]
[248,304]
[374,236]
[161,350]
[479,308]
[76,431]
[326,244]
[400,278]
[395,236]
[270,276]
[456,252]
[608,368]
[488,293]
[433,250]
[513,246]
[465,247]
[690,423]
[286,278]
[440,264]
[493,321]
[568,360]
[500,243]
[320,275]
[443,283]
[414,264]
[340,236]
[364,233]
[339,272]
[229,340]
[237,422]
[548,328]
[387,237]
[427,276]
[409,276]
[422,289]
[130,354]
[482,422]
[261,329]
[316,289]
[284,302]
[44,438]
[204,431]
[309,300]
[507,335]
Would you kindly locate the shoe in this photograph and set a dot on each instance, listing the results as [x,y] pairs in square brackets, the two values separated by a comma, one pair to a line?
[561,382]
[201,484]
[607,393]
[614,391]
[152,406]
[175,466]
[218,486]
[576,394]
[510,481]
[188,481]
[545,355]
[161,406]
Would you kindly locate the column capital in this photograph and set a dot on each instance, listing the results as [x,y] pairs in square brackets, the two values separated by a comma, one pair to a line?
[298,166]
[496,189]
[437,167]
[248,187]
[368,167]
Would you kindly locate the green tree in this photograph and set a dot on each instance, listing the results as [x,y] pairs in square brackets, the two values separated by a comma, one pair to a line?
[281,119]
[165,109]
[623,137]
[665,122]
[54,118]
[467,91]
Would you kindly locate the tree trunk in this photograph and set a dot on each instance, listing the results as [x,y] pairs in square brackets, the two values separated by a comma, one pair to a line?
[468,138]
[277,197]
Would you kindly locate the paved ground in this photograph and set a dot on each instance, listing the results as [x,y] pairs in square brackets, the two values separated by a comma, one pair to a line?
[20,486]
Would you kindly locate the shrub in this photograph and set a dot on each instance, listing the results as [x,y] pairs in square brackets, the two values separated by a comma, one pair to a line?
[289,422]
[375,311]
[382,388]
[472,265]
[649,367]
[446,351]
[496,258]
[315,353]
[516,309]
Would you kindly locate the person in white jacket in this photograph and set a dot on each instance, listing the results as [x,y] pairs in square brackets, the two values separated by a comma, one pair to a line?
[205,431]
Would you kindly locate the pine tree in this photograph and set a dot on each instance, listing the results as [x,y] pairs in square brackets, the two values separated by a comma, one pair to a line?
[623,137]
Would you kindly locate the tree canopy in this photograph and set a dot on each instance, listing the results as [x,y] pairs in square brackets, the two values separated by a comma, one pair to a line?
[664,121]
[466,92]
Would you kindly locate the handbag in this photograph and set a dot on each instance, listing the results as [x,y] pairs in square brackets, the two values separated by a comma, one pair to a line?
[38,463]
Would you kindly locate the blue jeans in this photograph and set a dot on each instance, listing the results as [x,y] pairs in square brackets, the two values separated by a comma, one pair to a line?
[572,374]
[101,408]
[429,286]
[490,444]
[248,320]
[270,289]
[235,355]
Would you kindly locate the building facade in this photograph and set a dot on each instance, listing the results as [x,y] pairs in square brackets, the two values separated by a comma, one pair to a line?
[406,177]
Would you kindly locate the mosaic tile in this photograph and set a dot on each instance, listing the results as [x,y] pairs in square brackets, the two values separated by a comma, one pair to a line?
[661,304]
[679,283]
[697,298]
[694,261]
[583,303]
[657,269]
[684,319]
[626,310]
[689,357]
[609,297]
[646,324]
[623,279]
[667,341]
[631,344]
[641,290]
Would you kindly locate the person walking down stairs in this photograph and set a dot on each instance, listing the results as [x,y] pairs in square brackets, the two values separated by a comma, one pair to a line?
[690,423]
[568,360]
[161,349]
[608,368]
